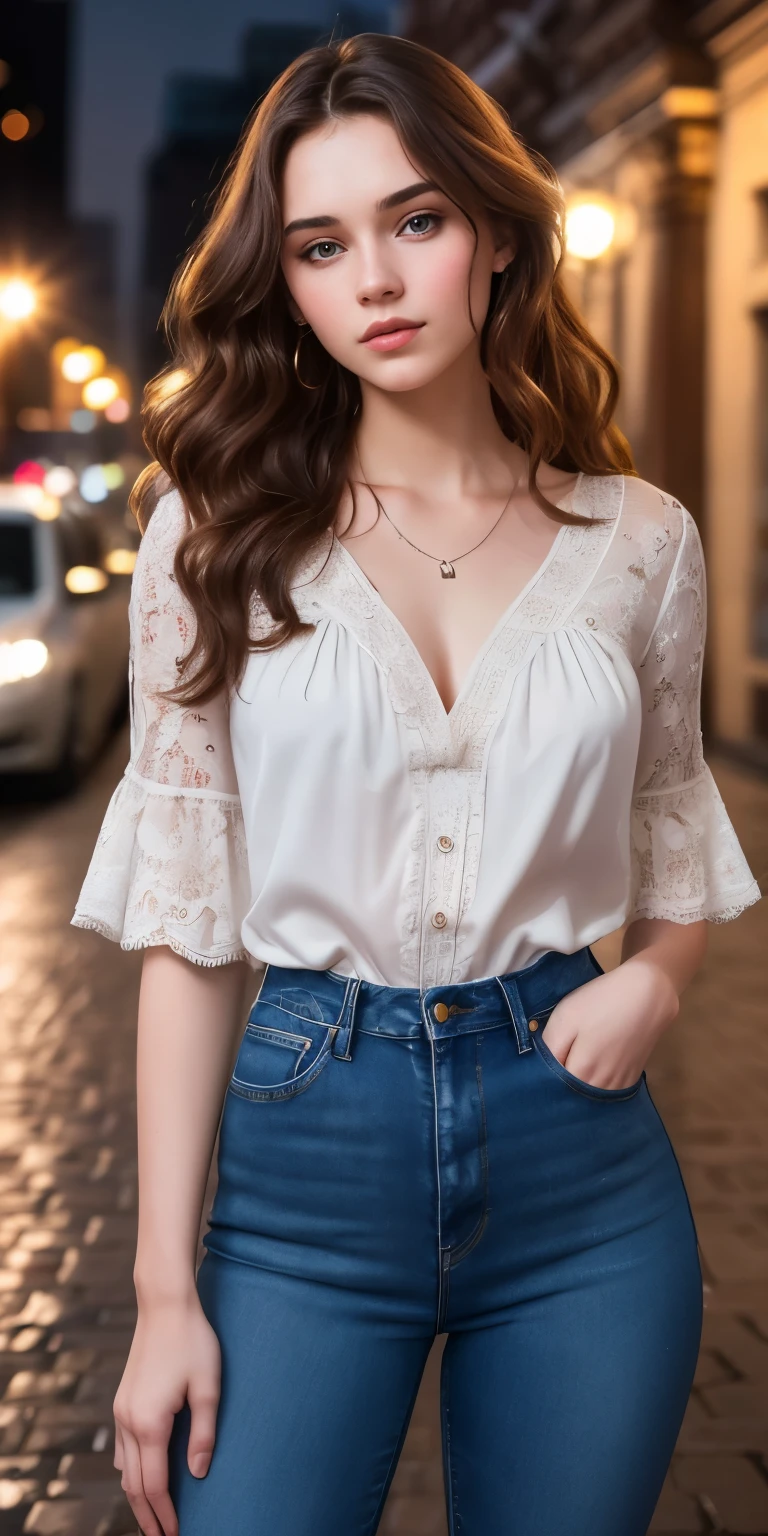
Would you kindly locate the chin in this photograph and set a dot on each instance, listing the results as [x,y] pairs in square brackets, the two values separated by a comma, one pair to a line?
[408,376]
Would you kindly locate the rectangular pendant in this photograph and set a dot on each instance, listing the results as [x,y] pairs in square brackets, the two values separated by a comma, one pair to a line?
[446,569]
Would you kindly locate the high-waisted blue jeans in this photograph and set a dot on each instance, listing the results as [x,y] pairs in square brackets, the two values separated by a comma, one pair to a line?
[394,1164]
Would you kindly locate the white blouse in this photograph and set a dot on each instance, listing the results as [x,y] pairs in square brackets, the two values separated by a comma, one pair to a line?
[332,814]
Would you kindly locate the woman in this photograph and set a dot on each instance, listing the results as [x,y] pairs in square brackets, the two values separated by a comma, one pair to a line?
[414,763]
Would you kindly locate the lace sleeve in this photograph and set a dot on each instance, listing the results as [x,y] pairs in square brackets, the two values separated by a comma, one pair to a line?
[686,861]
[169,866]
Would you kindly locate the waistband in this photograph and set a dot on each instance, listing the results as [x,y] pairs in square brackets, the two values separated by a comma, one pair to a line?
[344,1003]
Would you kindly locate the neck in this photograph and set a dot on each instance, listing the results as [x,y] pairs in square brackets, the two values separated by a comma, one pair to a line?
[442,440]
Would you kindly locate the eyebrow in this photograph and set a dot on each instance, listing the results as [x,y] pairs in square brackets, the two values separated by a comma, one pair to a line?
[394,199]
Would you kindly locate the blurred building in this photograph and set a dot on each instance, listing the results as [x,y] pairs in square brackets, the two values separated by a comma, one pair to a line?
[203,118]
[659,113]
[69,262]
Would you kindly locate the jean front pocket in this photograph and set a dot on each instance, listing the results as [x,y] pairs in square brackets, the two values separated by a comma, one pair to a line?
[577,1084]
[280,1054]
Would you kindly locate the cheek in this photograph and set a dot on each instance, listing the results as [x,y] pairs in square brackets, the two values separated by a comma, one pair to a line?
[322,297]
[448,278]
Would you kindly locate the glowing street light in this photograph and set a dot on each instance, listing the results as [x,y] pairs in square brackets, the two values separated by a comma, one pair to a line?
[99,393]
[17,299]
[81,579]
[589,229]
[81,364]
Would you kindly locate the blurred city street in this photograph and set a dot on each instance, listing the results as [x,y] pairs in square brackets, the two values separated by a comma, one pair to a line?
[68,1191]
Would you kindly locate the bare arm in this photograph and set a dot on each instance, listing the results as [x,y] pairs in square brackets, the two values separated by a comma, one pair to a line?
[190,1021]
[605,1031]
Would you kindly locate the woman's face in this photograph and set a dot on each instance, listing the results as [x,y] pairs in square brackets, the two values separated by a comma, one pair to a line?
[377,244]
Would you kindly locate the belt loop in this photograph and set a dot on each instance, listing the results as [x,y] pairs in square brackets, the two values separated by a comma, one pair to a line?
[513,1000]
[342,1035]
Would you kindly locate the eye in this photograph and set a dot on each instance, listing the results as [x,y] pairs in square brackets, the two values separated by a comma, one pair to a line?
[420,219]
[321,250]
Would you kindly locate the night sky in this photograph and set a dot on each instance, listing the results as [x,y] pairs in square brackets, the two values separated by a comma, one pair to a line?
[124,50]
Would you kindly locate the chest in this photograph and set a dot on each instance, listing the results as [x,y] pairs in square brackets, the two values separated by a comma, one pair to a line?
[448,619]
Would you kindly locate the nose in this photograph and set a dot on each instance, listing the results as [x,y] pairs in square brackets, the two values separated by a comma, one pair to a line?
[378,279]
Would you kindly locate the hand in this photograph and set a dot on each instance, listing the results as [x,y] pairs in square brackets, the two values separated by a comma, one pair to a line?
[174,1356]
[605,1031]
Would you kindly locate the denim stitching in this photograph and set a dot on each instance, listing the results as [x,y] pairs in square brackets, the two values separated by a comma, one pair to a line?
[471,1242]
[451,1491]
[523,1044]
[263,1092]
[372,1528]
[604,1095]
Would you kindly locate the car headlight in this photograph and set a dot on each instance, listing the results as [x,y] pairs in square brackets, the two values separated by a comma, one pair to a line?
[20,659]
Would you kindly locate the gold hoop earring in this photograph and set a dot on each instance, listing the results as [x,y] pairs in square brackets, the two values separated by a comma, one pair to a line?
[302,381]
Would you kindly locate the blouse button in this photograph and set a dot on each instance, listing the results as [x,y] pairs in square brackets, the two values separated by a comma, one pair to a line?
[445,843]
[439,920]
[182,912]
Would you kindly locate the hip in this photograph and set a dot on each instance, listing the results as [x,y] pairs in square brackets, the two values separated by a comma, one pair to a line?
[376,1137]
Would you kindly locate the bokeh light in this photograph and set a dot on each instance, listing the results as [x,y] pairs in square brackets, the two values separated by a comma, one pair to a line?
[118,410]
[82,363]
[589,230]
[82,421]
[114,476]
[20,659]
[30,472]
[48,508]
[17,299]
[81,579]
[14,125]
[93,486]
[98,393]
[60,480]
[120,562]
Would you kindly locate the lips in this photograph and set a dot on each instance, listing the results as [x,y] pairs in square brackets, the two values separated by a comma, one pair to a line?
[387,327]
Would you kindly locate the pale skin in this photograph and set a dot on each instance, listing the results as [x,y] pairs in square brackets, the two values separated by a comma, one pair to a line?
[429,444]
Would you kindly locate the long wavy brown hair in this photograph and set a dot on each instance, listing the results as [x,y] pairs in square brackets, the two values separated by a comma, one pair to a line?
[261,462]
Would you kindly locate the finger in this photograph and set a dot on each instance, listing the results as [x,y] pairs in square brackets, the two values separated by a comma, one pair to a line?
[154,1476]
[133,1486]
[119,1458]
[203,1404]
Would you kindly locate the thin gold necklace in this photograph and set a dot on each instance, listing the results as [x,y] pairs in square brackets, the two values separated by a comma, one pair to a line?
[446,566]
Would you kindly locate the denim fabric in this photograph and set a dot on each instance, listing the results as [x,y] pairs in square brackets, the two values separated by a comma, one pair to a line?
[394,1164]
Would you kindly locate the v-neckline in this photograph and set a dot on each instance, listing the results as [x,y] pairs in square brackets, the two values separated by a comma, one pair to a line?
[449,715]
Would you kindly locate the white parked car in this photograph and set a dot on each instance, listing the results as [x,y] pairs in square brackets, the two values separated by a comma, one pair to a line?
[63,632]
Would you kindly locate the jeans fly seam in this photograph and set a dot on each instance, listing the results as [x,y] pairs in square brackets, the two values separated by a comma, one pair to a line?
[471,1242]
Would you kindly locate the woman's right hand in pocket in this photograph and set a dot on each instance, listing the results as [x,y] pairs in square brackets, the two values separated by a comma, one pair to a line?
[175,1356]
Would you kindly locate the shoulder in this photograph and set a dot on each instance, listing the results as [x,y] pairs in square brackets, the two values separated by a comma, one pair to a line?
[154,583]
[655,514]
[166,525]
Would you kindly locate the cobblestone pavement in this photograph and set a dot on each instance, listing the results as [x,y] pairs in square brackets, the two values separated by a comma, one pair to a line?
[68,1198]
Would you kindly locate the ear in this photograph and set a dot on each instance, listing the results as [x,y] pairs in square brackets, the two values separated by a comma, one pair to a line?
[503,255]
[293,309]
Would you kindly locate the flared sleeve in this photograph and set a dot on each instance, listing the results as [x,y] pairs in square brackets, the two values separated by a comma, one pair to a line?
[686,861]
[170,865]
